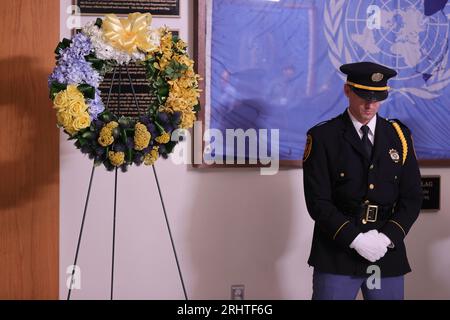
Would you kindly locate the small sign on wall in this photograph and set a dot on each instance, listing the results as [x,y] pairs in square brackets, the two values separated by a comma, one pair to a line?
[431,187]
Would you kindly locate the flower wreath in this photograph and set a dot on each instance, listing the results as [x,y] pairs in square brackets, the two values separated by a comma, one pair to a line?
[82,62]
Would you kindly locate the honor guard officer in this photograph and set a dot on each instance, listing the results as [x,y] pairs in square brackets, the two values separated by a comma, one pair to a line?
[362,188]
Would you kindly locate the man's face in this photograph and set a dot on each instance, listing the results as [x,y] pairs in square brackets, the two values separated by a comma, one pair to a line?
[362,110]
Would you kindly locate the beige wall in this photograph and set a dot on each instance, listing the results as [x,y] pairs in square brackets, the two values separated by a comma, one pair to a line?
[231,226]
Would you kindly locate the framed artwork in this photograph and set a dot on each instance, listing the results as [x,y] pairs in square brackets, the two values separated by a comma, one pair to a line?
[160,8]
[273,67]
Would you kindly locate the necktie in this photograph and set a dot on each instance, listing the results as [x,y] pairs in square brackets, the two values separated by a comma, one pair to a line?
[366,142]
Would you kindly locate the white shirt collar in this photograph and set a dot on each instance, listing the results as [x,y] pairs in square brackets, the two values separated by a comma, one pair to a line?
[372,124]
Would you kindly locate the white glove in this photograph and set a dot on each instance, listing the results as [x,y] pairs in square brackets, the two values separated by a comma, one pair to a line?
[386,240]
[370,245]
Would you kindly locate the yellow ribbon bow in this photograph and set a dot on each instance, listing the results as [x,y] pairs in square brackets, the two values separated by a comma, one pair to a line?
[128,34]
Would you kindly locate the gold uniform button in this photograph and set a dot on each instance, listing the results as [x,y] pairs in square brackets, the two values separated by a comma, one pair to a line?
[364,221]
[366,202]
[342,174]
[371,166]
[371,186]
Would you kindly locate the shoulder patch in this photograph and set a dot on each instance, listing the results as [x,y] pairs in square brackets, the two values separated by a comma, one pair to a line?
[308,147]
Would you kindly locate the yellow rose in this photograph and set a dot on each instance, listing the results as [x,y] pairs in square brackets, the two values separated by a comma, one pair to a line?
[77,107]
[64,119]
[81,122]
[73,92]
[60,100]
[70,130]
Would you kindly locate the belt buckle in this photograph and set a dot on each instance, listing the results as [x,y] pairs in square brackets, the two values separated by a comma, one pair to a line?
[371,213]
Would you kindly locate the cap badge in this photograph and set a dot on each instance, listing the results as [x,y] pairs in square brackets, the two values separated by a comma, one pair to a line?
[394,155]
[377,77]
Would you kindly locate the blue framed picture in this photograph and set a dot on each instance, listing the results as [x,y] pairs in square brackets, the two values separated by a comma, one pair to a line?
[274,66]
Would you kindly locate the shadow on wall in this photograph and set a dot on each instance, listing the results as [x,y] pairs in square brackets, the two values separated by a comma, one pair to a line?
[26,131]
[238,230]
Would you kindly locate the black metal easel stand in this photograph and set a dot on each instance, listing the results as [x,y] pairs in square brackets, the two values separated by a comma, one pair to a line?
[115,201]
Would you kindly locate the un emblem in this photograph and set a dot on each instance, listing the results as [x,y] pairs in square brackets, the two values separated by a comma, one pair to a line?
[393,33]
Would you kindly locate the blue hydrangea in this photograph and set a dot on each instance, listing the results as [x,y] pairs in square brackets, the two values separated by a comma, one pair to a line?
[95,105]
[72,68]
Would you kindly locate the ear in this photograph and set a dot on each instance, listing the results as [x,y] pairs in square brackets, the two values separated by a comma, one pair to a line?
[347,90]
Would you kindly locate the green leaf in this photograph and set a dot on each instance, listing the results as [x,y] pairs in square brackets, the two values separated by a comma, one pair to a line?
[160,128]
[97,63]
[163,91]
[130,155]
[124,136]
[99,22]
[87,91]
[82,141]
[170,145]
[197,108]
[56,87]
[106,117]
[88,135]
[65,43]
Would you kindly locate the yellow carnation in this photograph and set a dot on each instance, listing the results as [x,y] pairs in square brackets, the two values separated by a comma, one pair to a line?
[151,157]
[106,139]
[164,138]
[116,158]
[112,125]
[141,136]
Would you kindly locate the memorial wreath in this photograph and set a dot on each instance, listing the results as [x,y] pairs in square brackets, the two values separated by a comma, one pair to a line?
[111,139]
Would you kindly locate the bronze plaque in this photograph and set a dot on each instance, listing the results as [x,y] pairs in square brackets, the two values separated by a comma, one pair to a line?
[127,104]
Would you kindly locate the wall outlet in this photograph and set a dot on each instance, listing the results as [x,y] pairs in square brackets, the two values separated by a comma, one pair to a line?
[237,292]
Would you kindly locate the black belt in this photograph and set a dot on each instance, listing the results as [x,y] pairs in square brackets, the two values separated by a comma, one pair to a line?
[368,212]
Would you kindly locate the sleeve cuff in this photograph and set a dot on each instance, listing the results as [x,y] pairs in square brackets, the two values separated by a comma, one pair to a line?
[345,234]
[394,231]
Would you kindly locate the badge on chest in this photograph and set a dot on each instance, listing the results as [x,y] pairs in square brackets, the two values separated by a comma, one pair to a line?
[394,155]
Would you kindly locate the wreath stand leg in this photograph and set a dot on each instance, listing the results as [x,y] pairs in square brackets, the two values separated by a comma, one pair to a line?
[115,206]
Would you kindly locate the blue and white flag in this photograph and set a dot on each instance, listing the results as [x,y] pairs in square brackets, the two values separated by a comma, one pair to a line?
[275,64]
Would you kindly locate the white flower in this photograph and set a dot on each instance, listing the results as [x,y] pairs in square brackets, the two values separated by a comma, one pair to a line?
[155,37]
[105,51]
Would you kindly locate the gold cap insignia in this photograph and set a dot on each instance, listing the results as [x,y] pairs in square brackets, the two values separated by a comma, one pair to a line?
[308,147]
[377,77]
[394,155]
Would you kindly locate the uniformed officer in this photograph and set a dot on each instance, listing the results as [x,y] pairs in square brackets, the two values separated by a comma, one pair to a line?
[362,188]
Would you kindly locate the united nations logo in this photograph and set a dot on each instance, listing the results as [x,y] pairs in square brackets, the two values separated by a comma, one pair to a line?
[393,33]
